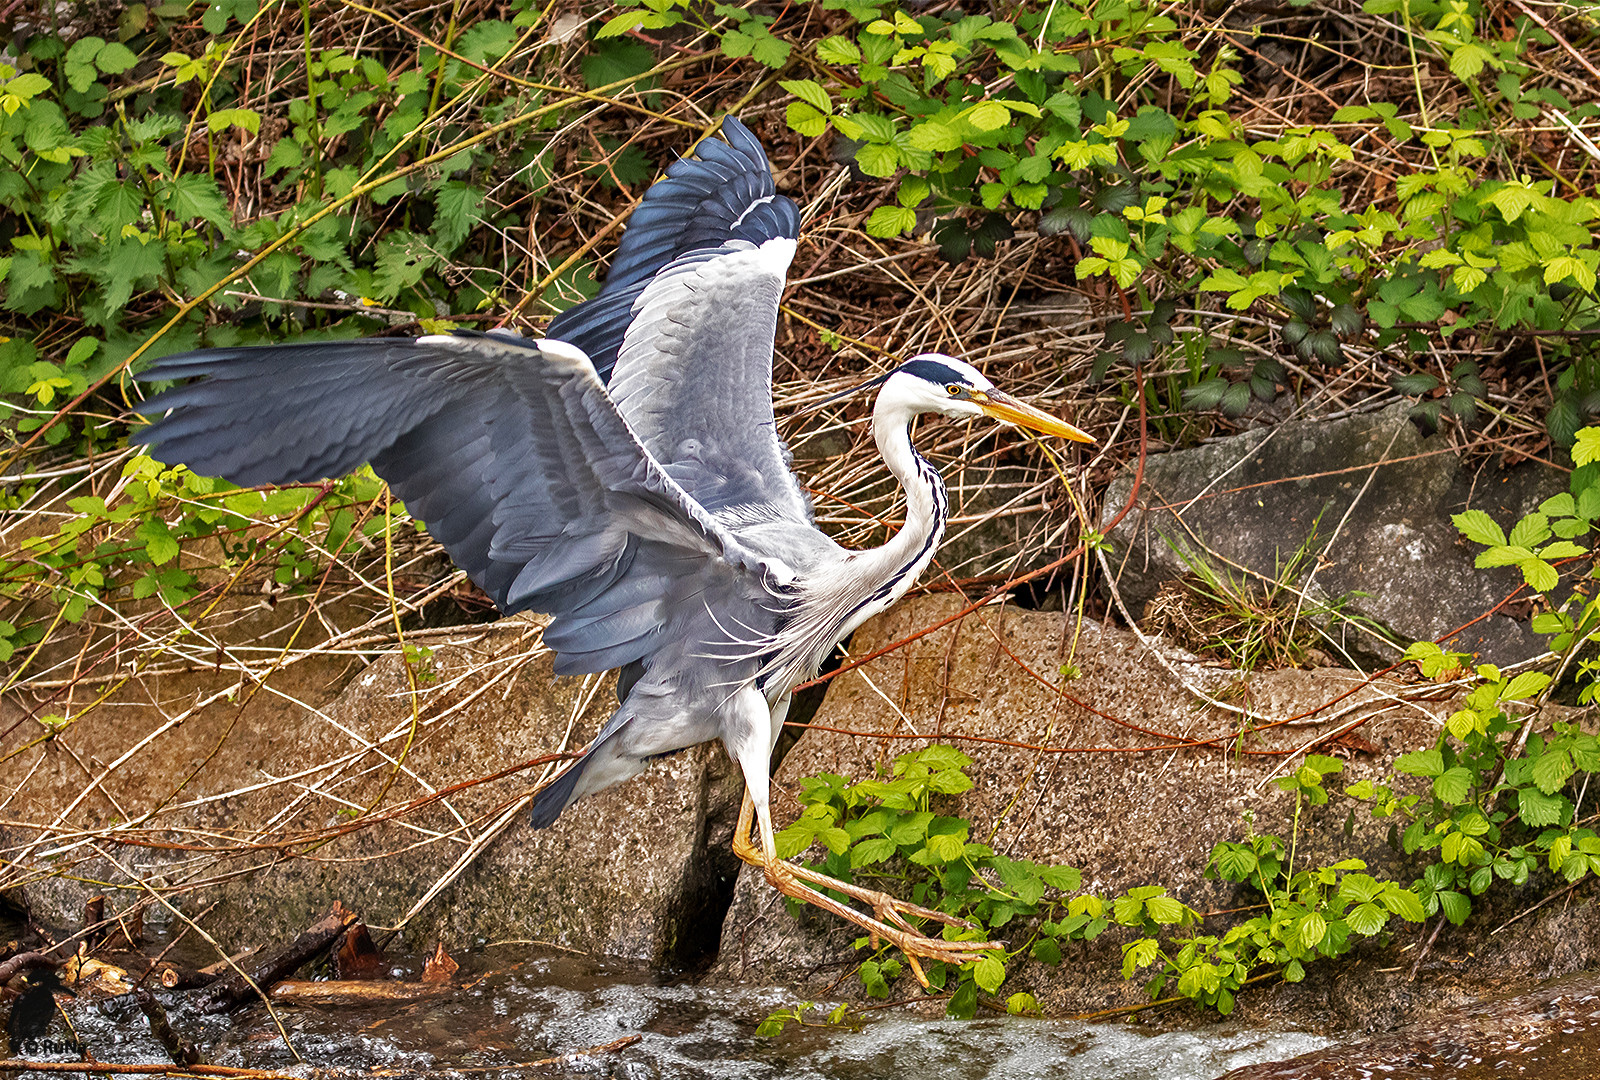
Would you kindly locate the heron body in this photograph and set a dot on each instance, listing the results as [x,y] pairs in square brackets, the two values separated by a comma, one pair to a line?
[623,475]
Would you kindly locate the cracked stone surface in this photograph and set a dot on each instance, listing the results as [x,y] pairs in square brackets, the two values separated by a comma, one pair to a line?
[1376,499]
[632,872]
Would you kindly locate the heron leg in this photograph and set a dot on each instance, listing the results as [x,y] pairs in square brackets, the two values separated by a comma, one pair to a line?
[787,878]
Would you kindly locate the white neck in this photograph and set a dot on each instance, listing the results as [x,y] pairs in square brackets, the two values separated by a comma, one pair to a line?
[850,592]
[909,551]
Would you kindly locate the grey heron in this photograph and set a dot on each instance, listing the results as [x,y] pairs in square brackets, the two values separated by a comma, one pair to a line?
[623,474]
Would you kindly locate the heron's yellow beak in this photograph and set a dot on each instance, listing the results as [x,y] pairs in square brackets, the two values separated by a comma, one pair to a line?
[1003,406]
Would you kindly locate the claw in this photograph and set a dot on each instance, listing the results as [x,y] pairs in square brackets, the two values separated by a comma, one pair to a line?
[787,878]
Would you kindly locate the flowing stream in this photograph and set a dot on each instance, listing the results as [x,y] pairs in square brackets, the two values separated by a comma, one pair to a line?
[519,1007]
[510,1006]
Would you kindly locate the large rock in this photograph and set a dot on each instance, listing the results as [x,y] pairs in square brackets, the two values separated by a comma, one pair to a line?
[1124,805]
[1550,1032]
[641,871]
[1255,499]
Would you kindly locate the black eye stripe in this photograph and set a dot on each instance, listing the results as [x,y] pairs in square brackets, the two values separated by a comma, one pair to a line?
[934,372]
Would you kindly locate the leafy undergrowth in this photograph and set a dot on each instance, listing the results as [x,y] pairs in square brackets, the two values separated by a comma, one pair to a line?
[1419,229]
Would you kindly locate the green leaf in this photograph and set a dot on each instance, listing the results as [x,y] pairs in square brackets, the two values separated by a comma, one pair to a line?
[1166,910]
[891,221]
[934,136]
[1452,785]
[1537,809]
[912,192]
[989,973]
[838,50]
[614,61]
[1022,1005]
[1455,906]
[1468,60]
[196,195]
[115,58]
[963,1004]
[1552,769]
[810,92]
[1503,555]
[618,25]
[221,119]
[1530,531]
[158,541]
[1065,878]
[1587,447]
[988,116]
[805,120]
[1421,763]
[946,848]
[870,852]
[1367,919]
[793,840]
[878,159]
[458,209]
[835,840]
[1525,685]
[872,979]
[1561,505]
[911,828]
[1359,888]
[81,351]
[1540,575]
[1479,527]
[1138,954]
[1511,200]
[769,50]
[1404,903]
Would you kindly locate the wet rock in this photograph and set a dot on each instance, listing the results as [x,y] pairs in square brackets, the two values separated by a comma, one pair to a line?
[641,871]
[1130,808]
[1253,500]
[1552,1033]
[1124,814]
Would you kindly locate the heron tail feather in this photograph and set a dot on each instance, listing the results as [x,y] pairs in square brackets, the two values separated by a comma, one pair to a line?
[549,803]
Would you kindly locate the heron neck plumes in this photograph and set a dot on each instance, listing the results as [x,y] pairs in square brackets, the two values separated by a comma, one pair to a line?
[895,567]
[835,599]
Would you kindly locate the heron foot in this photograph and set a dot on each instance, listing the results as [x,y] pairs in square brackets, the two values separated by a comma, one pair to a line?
[888,921]
[784,876]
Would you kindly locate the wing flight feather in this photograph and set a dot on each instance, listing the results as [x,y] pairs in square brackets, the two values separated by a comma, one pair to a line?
[509,449]
[723,192]
[694,378]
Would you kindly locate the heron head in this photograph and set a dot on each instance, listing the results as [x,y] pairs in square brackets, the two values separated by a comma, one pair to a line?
[933,382]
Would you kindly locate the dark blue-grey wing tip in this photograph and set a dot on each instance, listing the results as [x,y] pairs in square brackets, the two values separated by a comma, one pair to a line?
[549,803]
[723,191]
[742,139]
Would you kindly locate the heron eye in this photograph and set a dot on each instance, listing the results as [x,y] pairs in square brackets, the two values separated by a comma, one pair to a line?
[953,390]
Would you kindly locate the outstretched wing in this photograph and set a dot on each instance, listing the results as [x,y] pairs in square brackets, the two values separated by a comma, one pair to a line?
[723,192]
[694,379]
[509,449]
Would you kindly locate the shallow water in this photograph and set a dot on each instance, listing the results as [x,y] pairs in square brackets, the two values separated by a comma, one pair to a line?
[512,1006]
[530,1008]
